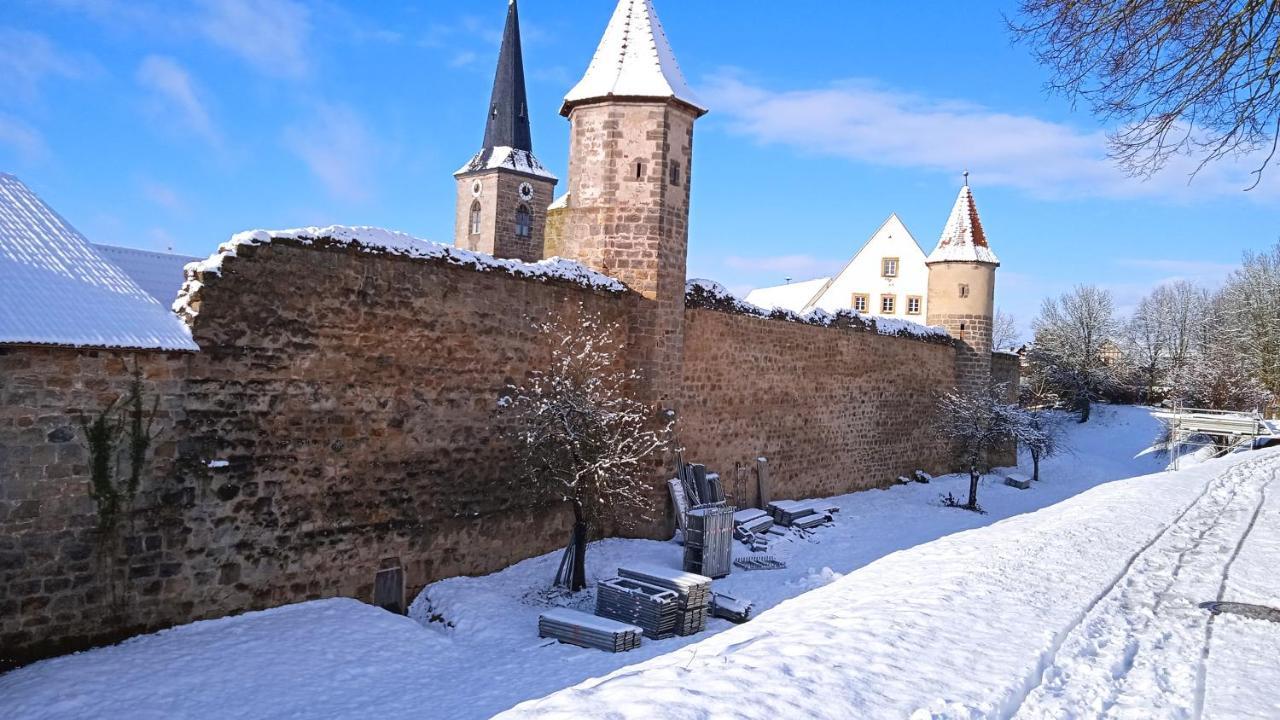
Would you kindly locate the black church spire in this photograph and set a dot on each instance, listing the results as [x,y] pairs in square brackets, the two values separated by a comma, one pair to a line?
[508,124]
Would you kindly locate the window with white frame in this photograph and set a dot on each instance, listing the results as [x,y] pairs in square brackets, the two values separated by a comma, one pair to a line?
[889,267]
[888,304]
[861,302]
[913,305]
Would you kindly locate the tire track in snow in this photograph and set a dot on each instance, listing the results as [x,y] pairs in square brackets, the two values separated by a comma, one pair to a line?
[1091,663]
[1203,670]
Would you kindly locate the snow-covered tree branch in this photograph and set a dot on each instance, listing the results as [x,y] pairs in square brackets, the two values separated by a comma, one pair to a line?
[580,439]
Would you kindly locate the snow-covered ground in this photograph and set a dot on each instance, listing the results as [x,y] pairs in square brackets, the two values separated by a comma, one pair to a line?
[1088,605]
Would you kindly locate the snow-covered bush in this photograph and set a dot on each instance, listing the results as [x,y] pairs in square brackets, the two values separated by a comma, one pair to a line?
[580,439]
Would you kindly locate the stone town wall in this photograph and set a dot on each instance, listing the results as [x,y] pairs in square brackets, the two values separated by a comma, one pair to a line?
[834,410]
[352,398]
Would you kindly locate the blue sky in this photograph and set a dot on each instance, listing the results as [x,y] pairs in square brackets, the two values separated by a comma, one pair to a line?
[174,124]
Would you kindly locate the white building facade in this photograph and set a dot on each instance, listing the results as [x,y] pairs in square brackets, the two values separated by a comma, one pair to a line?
[886,278]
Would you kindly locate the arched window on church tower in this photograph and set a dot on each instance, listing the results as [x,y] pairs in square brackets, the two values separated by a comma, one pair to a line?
[475,218]
[524,222]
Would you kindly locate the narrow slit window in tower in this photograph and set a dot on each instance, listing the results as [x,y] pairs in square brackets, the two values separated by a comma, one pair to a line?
[675,173]
[964,290]
[639,166]
[524,222]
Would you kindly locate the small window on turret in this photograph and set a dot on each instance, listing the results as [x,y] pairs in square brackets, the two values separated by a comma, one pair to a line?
[675,173]
[964,290]
[475,218]
[638,168]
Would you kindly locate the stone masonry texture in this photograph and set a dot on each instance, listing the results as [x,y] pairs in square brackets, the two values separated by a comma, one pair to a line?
[353,399]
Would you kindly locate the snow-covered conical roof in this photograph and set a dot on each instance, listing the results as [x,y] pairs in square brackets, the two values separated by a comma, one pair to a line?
[963,239]
[634,60]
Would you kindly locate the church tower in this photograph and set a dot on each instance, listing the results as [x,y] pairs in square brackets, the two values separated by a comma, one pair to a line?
[962,286]
[503,193]
[630,165]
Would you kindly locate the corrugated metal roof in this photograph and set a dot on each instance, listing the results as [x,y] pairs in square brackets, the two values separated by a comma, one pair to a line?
[56,289]
[160,274]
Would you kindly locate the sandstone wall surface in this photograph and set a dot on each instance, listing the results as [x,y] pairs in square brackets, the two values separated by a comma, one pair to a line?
[352,399]
[834,410]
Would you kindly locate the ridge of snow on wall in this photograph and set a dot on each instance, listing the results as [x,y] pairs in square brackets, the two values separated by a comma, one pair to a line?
[378,241]
[634,59]
[711,294]
[56,289]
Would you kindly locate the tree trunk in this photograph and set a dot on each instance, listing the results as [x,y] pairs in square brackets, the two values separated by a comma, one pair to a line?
[578,576]
[1035,466]
[1085,408]
[973,488]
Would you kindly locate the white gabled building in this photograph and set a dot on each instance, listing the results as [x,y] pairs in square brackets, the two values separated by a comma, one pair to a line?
[887,277]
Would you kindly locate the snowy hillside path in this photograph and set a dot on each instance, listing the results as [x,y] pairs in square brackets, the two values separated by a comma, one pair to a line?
[1138,651]
[1240,678]
[1085,609]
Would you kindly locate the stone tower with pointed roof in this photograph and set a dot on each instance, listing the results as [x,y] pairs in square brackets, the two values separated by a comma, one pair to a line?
[630,164]
[962,286]
[503,192]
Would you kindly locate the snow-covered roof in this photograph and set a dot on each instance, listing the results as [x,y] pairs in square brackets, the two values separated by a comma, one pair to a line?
[160,274]
[507,158]
[792,296]
[634,60]
[389,242]
[561,203]
[56,289]
[963,239]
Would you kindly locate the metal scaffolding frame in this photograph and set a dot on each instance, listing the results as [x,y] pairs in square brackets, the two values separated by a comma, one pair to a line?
[1226,429]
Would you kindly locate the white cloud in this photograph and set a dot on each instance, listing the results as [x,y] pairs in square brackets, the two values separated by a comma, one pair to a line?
[338,149]
[463,59]
[27,59]
[866,123]
[271,35]
[26,141]
[176,95]
[164,196]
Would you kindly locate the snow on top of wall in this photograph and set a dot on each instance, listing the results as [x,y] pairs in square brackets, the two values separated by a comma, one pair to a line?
[506,158]
[963,239]
[561,203]
[389,242]
[56,289]
[709,293]
[634,59]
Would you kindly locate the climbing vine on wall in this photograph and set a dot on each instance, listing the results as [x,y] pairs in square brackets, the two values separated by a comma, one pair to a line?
[132,421]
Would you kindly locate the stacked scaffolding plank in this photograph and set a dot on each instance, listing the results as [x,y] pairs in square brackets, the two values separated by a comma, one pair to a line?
[708,546]
[652,608]
[694,593]
[584,630]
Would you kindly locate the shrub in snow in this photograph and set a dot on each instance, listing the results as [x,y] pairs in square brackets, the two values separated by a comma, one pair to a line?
[977,423]
[580,440]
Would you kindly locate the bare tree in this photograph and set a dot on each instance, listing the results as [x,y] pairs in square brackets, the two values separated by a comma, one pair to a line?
[977,423]
[1004,332]
[1040,433]
[1074,335]
[580,440]
[1146,338]
[1196,77]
